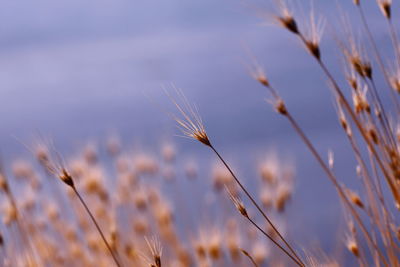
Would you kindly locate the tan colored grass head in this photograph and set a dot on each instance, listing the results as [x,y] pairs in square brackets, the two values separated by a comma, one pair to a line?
[155,247]
[189,121]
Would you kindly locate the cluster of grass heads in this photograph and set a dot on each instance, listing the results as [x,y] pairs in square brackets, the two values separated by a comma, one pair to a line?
[107,206]
[368,124]
[81,219]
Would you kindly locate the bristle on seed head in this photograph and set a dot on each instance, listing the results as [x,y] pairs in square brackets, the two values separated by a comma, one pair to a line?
[191,123]
[285,17]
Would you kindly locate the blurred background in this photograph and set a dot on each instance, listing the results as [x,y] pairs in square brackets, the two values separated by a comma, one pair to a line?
[80,71]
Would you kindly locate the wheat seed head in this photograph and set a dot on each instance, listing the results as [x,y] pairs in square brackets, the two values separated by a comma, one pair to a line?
[313,34]
[189,122]
[386,8]
[237,202]
[155,247]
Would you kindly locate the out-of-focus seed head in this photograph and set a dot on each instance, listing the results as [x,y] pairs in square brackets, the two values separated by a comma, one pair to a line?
[331,159]
[280,107]
[260,252]
[155,248]
[140,225]
[3,184]
[395,83]
[191,170]
[214,246]
[363,68]
[352,78]
[284,192]
[313,35]
[10,214]
[286,18]
[355,54]
[145,164]
[360,101]
[90,154]
[222,177]
[232,240]
[113,146]
[386,8]
[258,74]
[168,152]
[373,134]
[353,247]
[355,199]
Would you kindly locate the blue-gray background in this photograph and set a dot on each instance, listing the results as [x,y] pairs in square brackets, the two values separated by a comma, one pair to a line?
[80,70]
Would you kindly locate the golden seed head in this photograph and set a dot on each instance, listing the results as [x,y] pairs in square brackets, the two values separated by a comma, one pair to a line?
[343,120]
[200,250]
[3,184]
[145,164]
[285,17]
[283,195]
[288,22]
[313,48]
[191,124]
[259,252]
[140,200]
[395,83]
[140,226]
[232,243]
[238,203]
[385,6]
[42,153]
[215,246]
[313,35]
[10,214]
[280,107]
[66,178]
[360,101]
[373,135]
[168,152]
[353,82]
[355,199]
[268,173]
[353,247]
[263,80]
[363,68]
[155,247]
[258,74]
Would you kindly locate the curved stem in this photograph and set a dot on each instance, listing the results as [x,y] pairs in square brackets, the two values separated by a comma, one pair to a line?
[97,227]
[256,205]
[378,57]
[250,257]
[333,179]
[276,243]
